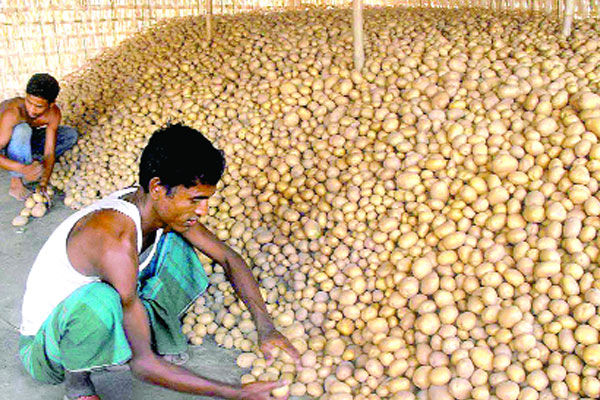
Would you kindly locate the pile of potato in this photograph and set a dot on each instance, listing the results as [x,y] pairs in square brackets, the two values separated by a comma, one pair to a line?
[36,206]
[424,228]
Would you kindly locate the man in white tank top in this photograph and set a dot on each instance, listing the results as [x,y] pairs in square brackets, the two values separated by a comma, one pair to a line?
[89,304]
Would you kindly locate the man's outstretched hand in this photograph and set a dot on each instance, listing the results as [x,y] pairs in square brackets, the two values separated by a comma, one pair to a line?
[43,191]
[33,171]
[262,390]
[271,339]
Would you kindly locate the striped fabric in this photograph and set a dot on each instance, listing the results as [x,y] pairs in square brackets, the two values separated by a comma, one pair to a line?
[85,331]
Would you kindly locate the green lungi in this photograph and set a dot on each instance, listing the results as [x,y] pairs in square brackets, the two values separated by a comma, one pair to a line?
[85,331]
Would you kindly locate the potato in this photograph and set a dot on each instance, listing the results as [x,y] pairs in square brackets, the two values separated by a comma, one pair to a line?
[39,210]
[20,220]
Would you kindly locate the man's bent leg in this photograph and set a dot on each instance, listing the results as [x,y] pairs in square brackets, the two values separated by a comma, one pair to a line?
[84,332]
[167,286]
[78,385]
[19,147]
[66,137]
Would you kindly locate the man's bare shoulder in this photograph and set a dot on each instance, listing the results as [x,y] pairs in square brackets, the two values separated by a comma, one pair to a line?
[11,107]
[54,113]
[105,225]
[100,238]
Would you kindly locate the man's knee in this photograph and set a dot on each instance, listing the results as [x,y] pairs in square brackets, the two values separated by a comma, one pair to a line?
[99,299]
[102,295]
[19,147]
[93,321]
[22,132]
[67,137]
[97,303]
[70,134]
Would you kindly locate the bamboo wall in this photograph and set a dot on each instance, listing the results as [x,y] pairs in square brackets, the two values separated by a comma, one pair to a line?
[59,36]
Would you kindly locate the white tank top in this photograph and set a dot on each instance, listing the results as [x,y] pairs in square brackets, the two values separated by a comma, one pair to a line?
[52,278]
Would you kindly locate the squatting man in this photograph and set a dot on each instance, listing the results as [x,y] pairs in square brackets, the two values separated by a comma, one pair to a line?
[29,131]
[110,284]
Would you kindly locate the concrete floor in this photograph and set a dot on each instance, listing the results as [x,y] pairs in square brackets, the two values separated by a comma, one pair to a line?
[18,248]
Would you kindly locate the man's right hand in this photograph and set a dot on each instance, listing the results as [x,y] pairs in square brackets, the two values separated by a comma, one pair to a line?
[262,390]
[33,171]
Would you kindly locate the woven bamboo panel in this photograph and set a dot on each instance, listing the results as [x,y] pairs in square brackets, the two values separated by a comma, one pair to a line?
[59,36]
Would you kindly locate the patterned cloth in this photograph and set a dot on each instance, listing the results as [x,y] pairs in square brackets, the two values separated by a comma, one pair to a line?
[85,331]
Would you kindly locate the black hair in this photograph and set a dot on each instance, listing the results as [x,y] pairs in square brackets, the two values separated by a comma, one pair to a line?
[179,155]
[44,86]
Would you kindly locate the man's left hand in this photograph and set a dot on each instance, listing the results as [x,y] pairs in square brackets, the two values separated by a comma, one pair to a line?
[43,190]
[271,339]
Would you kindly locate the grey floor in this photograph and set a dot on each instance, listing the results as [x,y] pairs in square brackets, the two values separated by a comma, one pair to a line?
[18,248]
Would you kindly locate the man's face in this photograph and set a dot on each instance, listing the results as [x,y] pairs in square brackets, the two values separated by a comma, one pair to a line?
[35,106]
[181,209]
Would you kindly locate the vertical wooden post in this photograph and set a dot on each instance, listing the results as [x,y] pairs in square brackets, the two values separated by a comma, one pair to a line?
[357,29]
[56,49]
[209,24]
[568,22]
[44,48]
[584,8]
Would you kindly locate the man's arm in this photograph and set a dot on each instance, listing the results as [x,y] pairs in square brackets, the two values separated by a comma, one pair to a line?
[107,244]
[245,286]
[50,146]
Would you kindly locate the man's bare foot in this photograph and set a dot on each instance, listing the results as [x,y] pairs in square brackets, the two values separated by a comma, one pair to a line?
[177,359]
[79,386]
[18,189]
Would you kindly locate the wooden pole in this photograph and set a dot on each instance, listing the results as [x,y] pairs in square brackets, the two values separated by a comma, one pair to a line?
[56,50]
[568,22]
[209,14]
[357,29]
[583,8]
